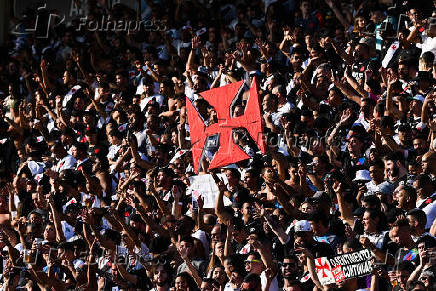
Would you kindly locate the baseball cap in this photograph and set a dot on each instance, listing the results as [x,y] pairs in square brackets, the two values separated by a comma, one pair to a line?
[419,97]
[35,167]
[423,75]
[90,112]
[385,188]
[321,196]
[427,273]
[240,197]
[68,176]
[256,228]
[359,211]
[302,225]
[253,230]
[362,175]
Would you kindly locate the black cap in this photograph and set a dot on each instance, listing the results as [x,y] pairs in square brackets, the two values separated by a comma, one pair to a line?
[69,177]
[404,127]
[72,208]
[316,216]
[76,113]
[90,130]
[240,197]
[90,112]
[159,244]
[359,211]
[68,131]
[424,76]
[321,196]
[254,229]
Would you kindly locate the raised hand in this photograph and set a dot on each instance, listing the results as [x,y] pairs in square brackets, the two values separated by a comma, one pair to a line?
[348,72]
[346,116]
[196,42]
[337,187]
[183,252]
[221,186]
[368,74]
[43,65]
[302,171]
[177,194]
[305,253]
[432,125]
[365,242]
[287,34]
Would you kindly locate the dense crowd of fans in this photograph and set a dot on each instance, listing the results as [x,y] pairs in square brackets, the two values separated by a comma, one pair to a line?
[95,159]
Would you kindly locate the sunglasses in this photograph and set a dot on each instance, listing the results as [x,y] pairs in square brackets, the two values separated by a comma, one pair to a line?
[251,261]
[289,265]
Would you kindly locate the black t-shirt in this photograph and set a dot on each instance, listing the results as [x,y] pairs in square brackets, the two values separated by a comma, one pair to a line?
[358,70]
[412,51]
[350,166]
[321,249]
[279,251]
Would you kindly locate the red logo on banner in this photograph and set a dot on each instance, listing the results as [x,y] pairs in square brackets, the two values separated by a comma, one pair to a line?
[320,266]
[338,273]
[221,99]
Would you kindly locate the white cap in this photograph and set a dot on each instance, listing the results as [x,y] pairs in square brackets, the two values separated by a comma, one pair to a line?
[35,167]
[362,175]
[419,97]
[302,225]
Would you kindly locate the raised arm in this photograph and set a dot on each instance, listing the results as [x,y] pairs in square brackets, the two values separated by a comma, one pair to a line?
[338,14]
[344,207]
[192,270]
[196,44]
[284,200]
[266,256]
[60,236]
[220,209]
[163,208]
[154,226]
[132,235]
[347,92]
[92,267]
[278,231]
[177,204]
[429,99]
[284,45]
[133,279]
[353,82]
[340,51]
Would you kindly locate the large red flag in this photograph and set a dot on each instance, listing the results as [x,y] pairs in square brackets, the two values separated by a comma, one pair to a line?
[221,99]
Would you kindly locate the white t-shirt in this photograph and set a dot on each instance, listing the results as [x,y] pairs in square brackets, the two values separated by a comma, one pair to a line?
[68,230]
[274,286]
[376,238]
[113,151]
[143,252]
[430,211]
[69,95]
[201,235]
[428,44]
[159,99]
[65,163]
